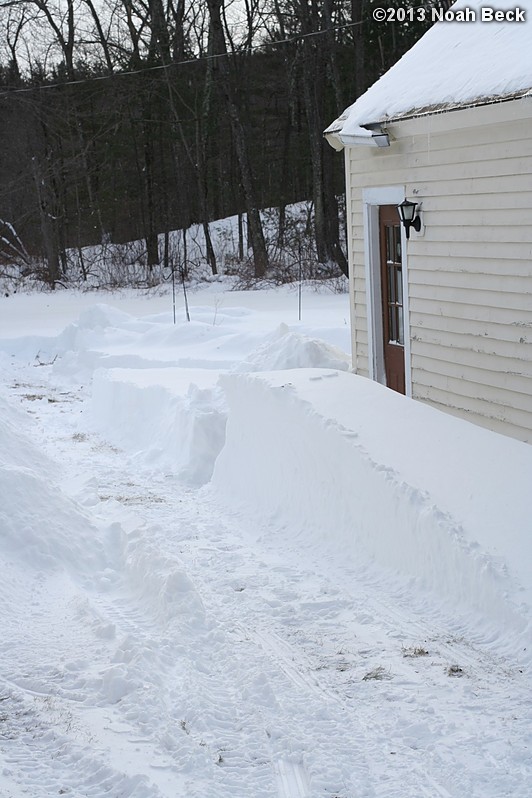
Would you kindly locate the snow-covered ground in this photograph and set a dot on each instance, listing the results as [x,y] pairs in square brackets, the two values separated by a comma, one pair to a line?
[232,569]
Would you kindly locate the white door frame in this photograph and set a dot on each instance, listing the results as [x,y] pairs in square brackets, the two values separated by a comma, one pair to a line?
[372,198]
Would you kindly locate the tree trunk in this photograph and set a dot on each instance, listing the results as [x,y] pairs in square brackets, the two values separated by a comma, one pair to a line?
[325,205]
[49,234]
[217,46]
[357,11]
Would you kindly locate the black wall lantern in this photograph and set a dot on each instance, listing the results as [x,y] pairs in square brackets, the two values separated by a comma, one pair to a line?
[409,216]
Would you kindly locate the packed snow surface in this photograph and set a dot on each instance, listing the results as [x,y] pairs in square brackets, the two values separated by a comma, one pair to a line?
[453,64]
[233,569]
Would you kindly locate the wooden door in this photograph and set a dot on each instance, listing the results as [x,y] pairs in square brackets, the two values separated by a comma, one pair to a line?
[392,297]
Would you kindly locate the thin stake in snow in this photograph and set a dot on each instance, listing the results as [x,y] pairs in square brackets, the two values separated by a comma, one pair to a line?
[173,289]
[300,283]
[182,270]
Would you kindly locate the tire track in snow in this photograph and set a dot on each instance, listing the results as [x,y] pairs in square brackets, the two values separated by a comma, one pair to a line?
[284,656]
[418,624]
[440,773]
[292,779]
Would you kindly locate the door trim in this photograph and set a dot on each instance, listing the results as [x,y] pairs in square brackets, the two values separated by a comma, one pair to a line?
[372,198]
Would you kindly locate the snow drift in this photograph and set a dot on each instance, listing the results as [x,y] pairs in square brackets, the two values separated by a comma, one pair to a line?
[340,460]
[38,523]
[172,419]
[289,350]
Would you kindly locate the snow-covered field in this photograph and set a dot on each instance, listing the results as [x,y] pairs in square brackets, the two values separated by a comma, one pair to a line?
[232,569]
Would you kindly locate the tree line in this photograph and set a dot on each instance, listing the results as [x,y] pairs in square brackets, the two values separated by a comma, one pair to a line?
[127,119]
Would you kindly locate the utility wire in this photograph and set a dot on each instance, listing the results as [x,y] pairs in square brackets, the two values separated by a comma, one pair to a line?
[159,67]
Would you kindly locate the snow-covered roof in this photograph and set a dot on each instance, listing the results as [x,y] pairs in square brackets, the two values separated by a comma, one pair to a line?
[455,64]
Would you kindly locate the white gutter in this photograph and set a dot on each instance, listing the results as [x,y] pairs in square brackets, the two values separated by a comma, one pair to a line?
[359,136]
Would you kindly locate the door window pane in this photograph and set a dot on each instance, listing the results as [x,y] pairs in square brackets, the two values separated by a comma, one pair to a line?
[399,285]
[392,293]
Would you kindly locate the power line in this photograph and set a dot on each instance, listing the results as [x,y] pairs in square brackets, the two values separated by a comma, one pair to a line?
[159,67]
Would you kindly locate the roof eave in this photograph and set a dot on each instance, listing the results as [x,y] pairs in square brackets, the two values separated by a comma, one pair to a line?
[442,108]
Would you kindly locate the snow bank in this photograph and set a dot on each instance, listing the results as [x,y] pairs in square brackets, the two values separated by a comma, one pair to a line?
[340,460]
[38,523]
[172,419]
[289,350]
[16,449]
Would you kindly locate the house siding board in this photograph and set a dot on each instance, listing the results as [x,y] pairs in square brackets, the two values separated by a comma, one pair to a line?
[472,367]
[489,415]
[487,331]
[502,219]
[477,406]
[502,283]
[470,274]
[363,338]
[492,233]
[452,310]
[475,266]
[431,248]
[518,351]
[504,427]
[455,387]
[497,202]
[463,186]
[465,170]
[443,384]
[361,322]
[520,302]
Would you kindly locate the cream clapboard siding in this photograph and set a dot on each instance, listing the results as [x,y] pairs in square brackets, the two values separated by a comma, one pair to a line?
[470,274]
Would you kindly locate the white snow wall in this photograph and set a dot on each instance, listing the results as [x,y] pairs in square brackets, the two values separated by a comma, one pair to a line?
[337,459]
